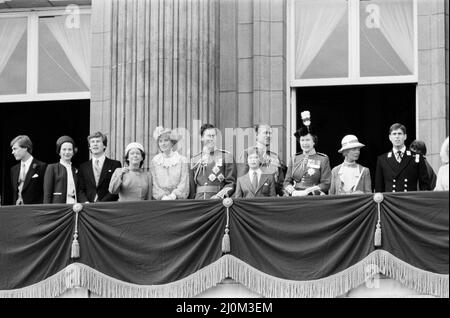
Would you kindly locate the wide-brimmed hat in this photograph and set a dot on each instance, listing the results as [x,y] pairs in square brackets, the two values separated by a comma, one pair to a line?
[62,140]
[349,142]
[132,145]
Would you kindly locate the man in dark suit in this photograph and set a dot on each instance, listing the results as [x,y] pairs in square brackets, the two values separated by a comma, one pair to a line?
[95,174]
[255,183]
[400,170]
[27,177]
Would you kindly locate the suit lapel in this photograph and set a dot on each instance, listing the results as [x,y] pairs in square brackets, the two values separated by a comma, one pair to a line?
[393,163]
[262,180]
[248,184]
[105,168]
[30,173]
[90,172]
[404,163]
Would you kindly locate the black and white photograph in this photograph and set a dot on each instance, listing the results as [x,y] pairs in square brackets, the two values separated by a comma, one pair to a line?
[224,154]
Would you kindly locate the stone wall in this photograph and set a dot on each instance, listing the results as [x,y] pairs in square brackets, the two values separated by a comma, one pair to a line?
[432,90]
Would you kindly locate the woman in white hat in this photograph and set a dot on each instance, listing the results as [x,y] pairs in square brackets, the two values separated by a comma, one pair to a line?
[131,182]
[350,177]
[169,169]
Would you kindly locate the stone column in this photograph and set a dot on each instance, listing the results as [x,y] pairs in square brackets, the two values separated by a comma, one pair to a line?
[253,65]
[154,63]
[432,90]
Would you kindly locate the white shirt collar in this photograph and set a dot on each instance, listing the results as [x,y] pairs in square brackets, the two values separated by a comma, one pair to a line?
[67,165]
[100,159]
[258,171]
[403,149]
[27,163]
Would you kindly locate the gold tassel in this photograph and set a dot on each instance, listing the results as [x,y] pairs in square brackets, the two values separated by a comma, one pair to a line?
[377,238]
[378,198]
[75,253]
[226,242]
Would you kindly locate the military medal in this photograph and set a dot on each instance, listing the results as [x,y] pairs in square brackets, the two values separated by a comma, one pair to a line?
[215,169]
[311,171]
[212,177]
[220,177]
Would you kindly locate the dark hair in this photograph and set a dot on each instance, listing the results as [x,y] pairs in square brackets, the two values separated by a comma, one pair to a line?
[24,142]
[303,131]
[204,127]
[419,147]
[142,154]
[257,126]
[98,134]
[397,126]
[62,140]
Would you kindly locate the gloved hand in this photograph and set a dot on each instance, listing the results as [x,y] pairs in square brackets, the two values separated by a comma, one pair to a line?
[299,193]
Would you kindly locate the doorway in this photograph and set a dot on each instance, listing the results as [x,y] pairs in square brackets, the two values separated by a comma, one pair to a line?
[44,122]
[366,111]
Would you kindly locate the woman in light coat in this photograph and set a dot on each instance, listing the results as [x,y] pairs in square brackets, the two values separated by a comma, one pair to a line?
[350,177]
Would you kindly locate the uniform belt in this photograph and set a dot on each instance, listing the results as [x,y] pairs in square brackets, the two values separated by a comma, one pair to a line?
[203,189]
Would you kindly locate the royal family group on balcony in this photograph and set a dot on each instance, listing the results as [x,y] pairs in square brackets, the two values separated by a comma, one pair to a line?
[214,174]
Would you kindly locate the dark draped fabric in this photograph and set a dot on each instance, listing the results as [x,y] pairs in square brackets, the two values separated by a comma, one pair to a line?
[415,229]
[35,243]
[154,242]
[159,242]
[303,238]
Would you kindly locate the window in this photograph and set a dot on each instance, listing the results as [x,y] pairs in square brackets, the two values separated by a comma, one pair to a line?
[342,42]
[46,56]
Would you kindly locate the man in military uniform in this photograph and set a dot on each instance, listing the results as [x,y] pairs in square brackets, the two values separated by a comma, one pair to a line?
[271,163]
[213,171]
[400,170]
[309,172]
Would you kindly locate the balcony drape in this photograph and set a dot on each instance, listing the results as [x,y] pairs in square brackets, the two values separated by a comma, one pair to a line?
[280,247]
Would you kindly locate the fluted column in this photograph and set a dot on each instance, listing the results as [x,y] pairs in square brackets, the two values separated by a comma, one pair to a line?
[154,63]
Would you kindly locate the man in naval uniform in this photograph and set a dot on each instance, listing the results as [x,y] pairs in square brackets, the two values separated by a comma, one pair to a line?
[309,172]
[213,171]
[271,163]
[400,170]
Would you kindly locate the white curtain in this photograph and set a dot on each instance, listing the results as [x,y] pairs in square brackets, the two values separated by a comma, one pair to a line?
[11,31]
[396,24]
[76,43]
[315,20]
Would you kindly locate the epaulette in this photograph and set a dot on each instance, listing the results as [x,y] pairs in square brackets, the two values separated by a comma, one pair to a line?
[321,154]
[223,150]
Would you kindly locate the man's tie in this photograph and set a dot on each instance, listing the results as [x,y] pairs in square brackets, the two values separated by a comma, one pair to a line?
[22,176]
[399,156]
[255,180]
[97,171]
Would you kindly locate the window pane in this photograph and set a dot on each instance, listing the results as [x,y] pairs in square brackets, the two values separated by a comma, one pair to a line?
[13,56]
[63,61]
[387,37]
[321,38]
